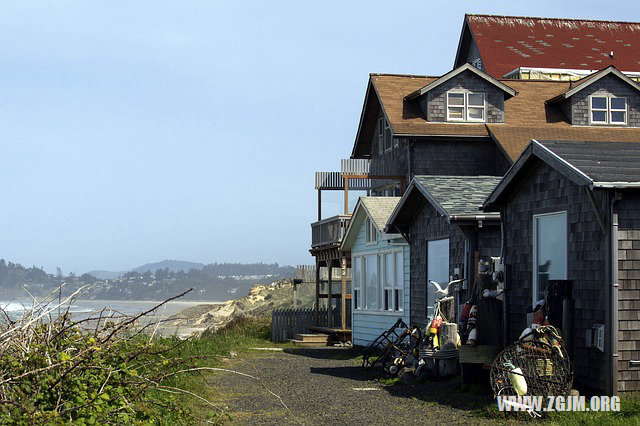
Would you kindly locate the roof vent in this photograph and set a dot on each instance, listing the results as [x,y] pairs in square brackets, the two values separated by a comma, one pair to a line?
[611,54]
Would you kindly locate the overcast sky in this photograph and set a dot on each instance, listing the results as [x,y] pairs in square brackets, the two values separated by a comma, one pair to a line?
[138,131]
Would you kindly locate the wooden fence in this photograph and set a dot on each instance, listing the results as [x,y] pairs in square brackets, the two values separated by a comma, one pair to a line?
[285,323]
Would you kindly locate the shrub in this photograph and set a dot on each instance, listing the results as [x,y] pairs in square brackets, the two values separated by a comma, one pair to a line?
[55,371]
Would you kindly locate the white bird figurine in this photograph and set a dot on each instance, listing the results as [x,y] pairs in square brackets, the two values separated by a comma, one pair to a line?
[445,292]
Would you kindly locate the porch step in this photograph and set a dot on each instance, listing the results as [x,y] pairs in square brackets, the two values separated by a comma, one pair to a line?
[315,338]
[310,340]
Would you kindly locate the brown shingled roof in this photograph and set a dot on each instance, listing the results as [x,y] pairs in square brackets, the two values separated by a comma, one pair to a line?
[514,139]
[406,117]
[527,115]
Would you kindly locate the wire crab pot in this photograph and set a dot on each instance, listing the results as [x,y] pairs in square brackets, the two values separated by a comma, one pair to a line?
[394,348]
[532,367]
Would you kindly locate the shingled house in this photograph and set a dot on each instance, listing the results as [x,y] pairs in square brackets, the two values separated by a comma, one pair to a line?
[474,121]
[440,217]
[575,207]
[380,266]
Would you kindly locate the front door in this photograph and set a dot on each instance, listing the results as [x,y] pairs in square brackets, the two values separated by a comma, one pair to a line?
[437,269]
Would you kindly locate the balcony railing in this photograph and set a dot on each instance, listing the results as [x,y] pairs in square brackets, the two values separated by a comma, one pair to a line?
[355,166]
[330,231]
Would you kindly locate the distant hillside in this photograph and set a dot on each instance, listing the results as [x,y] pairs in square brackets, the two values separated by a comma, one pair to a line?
[213,282]
[105,275]
[171,265]
[214,269]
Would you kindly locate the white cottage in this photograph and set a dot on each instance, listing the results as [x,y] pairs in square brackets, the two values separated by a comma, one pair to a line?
[380,270]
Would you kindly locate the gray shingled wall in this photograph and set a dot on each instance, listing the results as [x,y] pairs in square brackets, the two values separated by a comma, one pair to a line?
[546,190]
[629,291]
[434,103]
[489,241]
[609,85]
[437,157]
[428,225]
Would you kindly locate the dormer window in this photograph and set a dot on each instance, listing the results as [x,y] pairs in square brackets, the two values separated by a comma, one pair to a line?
[465,106]
[608,110]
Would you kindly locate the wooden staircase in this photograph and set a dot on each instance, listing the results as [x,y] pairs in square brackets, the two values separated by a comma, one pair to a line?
[310,340]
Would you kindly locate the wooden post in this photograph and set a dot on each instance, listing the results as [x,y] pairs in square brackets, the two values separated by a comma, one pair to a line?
[329,291]
[315,314]
[448,332]
[343,299]
[346,194]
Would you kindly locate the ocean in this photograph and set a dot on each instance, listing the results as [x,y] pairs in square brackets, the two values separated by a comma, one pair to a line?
[85,308]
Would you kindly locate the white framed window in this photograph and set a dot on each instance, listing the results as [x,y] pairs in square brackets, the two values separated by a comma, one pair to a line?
[378,282]
[356,262]
[371,283]
[398,298]
[604,109]
[465,106]
[371,232]
[549,251]
[437,269]
[389,282]
[456,103]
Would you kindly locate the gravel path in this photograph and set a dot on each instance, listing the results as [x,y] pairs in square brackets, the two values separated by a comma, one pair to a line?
[327,385]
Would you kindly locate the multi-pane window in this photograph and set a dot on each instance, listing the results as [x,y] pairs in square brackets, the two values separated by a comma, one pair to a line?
[378,282]
[608,110]
[371,231]
[389,278]
[398,299]
[465,106]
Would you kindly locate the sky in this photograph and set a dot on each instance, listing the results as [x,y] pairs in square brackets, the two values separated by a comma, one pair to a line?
[133,132]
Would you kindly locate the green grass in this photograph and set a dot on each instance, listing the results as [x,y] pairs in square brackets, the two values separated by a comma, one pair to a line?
[390,381]
[629,414]
[214,349]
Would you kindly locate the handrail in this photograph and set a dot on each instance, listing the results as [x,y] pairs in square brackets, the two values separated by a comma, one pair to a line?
[332,219]
[355,166]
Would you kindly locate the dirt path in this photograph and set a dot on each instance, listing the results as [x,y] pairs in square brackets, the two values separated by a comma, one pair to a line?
[322,386]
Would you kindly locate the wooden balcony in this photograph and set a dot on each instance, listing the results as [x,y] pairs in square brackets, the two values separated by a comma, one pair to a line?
[328,233]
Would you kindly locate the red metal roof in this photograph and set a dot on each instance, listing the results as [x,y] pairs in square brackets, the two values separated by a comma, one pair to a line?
[507,42]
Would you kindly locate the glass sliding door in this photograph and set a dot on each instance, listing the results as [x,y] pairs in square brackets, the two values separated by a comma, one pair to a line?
[437,269]
[549,251]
